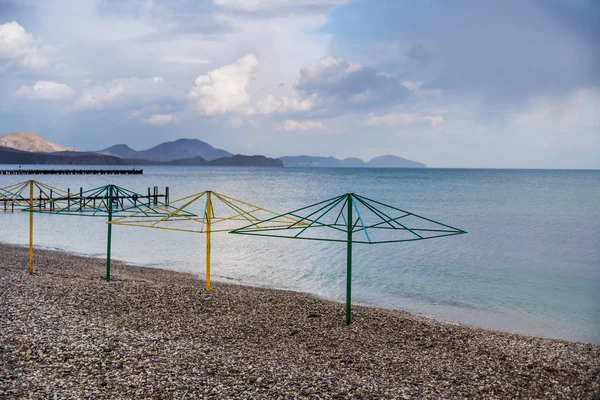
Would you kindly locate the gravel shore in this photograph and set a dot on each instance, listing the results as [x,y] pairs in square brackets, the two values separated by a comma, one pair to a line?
[66,333]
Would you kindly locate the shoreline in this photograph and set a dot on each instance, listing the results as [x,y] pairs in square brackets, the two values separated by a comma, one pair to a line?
[234,281]
[156,332]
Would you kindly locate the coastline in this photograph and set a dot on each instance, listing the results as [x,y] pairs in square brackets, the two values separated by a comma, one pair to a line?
[155,332]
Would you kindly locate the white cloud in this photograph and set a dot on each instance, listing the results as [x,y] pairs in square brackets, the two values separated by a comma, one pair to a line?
[18,45]
[291,103]
[412,86]
[437,120]
[402,118]
[552,120]
[126,92]
[186,60]
[46,90]
[160,119]
[258,5]
[225,89]
[291,125]
[328,72]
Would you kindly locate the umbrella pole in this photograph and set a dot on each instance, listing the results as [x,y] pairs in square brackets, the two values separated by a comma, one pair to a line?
[30,227]
[108,243]
[349,263]
[208,215]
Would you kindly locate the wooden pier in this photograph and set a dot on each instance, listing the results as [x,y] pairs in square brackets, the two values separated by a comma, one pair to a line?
[72,172]
[75,199]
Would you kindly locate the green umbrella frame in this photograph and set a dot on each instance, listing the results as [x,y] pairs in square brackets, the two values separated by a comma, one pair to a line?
[342,215]
[104,201]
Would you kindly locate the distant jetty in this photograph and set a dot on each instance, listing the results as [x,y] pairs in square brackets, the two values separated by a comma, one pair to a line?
[72,172]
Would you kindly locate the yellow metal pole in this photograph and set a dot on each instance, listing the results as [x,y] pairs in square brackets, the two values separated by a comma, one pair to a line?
[208,215]
[31,228]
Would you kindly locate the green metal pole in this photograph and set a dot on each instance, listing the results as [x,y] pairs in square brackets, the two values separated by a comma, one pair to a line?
[110,204]
[349,263]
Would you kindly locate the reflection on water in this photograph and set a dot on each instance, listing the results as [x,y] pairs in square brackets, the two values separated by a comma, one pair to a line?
[529,264]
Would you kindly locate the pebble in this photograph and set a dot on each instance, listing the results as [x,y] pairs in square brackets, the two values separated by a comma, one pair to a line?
[66,333]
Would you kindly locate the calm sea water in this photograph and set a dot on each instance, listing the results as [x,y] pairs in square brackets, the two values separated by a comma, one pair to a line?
[530,263]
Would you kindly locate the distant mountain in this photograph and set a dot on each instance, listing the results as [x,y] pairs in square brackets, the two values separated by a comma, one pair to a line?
[253,161]
[9,155]
[13,156]
[29,141]
[178,152]
[169,151]
[387,161]
[121,150]
[390,161]
[309,161]
[184,148]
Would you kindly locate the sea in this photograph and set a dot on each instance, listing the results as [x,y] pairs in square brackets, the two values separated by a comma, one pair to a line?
[529,264]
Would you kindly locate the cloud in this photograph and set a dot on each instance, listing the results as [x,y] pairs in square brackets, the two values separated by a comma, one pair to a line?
[224,89]
[160,119]
[46,90]
[548,121]
[285,104]
[291,125]
[127,92]
[186,60]
[327,88]
[328,74]
[412,86]
[18,45]
[349,84]
[423,67]
[402,118]
[437,120]
[275,5]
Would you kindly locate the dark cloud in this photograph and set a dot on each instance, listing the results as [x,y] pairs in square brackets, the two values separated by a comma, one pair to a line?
[500,51]
[350,85]
[524,66]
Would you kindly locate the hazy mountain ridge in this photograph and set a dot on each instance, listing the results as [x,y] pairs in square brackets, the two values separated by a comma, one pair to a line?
[386,161]
[120,150]
[177,152]
[14,150]
[13,156]
[29,141]
[391,161]
[169,151]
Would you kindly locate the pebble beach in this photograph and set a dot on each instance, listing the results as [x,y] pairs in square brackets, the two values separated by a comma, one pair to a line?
[66,333]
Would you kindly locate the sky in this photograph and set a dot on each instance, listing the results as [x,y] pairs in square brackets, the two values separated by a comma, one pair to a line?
[469,83]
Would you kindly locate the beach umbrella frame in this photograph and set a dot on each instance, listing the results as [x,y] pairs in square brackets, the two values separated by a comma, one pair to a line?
[240,212]
[14,194]
[100,202]
[350,204]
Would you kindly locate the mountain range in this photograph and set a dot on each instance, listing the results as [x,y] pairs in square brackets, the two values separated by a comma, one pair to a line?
[29,141]
[169,151]
[28,148]
[387,161]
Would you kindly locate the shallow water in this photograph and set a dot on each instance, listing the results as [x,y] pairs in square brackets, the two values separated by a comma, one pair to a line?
[529,264]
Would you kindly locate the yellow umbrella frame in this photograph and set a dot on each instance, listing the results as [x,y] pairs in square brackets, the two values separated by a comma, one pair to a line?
[16,195]
[240,213]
